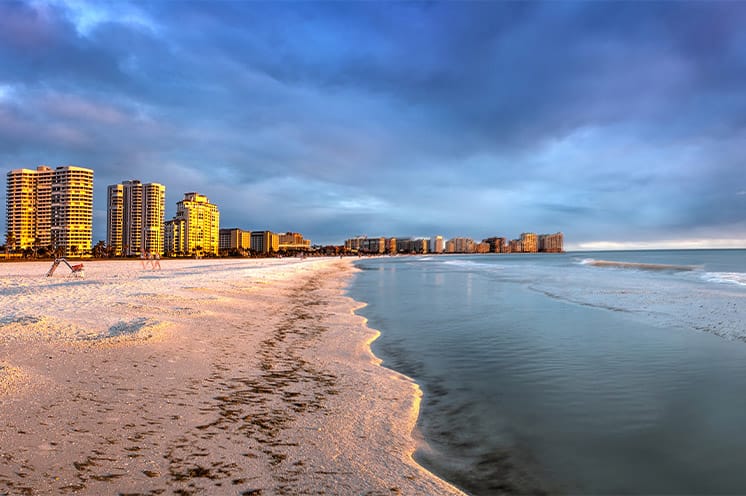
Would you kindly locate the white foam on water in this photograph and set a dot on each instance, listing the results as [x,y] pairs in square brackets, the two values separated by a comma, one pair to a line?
[470,264]
[614,264]
[737,278]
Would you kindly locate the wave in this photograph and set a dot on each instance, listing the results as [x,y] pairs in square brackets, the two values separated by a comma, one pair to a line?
[738,278]
[637,265]
[469,264]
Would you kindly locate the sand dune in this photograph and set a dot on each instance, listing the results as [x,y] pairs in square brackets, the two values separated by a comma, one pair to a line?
[207,377]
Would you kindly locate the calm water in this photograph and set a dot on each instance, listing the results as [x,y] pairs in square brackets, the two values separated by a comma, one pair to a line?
[569,374]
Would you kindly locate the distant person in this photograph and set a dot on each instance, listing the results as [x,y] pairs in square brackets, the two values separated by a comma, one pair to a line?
[143,258]
[156,261]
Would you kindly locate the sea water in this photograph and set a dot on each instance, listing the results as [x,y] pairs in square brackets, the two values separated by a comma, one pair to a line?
[577,373]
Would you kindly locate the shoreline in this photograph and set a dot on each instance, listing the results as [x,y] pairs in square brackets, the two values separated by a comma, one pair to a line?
[208,377]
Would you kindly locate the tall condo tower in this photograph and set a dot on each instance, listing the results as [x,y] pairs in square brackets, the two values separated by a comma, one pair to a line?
[153,217]
[29,206]
[135,215]
[115,218]
[195,227]
[437,244]
[72,209]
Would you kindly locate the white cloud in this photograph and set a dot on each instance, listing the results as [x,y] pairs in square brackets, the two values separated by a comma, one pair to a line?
[669,244]
[87,15]
[6,92]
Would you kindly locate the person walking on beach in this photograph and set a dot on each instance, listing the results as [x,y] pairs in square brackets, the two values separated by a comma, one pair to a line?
[142,259]
[156,261]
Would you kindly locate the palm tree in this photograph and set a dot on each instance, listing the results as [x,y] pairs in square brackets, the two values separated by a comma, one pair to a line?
[10,242]
[99,250]
[35,246]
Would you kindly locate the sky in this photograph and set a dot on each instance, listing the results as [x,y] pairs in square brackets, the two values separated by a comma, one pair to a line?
[621,124]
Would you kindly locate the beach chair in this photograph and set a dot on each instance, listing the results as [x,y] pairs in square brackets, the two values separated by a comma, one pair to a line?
[75,270]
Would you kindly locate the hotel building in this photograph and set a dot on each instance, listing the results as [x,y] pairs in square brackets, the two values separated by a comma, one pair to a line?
[72,210]
[235,239]
[380,245]
[551,243]
[529,243]
[29,206]
[135,216]
[293,241]
[461,245]
[54,208]
[409,245]
[195,227]
[265,241]
[437,245]
[497,244]
[515,246]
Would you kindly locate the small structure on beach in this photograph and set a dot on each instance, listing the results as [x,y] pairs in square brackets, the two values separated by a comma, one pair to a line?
[75,270]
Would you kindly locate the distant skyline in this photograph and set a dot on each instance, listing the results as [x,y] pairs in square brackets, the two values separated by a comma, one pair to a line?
[619,123]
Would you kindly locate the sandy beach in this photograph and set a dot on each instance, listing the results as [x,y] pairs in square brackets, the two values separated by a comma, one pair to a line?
[249,377]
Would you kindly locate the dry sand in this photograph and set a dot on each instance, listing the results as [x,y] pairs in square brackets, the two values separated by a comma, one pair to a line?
[248,377]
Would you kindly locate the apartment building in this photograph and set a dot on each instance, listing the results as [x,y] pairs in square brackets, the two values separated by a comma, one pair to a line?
[265,242]
[135,217]
[235,239]
[29,207]
[551,243]
[195,228]
[72,210]
[437,244]
[293,241]
[529,242]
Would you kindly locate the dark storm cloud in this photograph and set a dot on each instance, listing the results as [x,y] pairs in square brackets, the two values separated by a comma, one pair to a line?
[605,120]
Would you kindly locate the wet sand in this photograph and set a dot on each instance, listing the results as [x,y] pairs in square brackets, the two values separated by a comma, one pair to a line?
[248,377]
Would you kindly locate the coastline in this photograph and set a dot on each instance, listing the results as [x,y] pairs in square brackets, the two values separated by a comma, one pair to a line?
[248,377]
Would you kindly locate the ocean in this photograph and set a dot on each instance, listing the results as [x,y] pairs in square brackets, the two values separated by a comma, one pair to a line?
[575,373]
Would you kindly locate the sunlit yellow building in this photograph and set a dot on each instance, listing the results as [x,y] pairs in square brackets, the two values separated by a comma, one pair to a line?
[72,209]
[264,242]
[460,245]
[529,242]
[437,244]
[195,228]
[29,207]
[293,241]
[135,216]
[551,243]
[235,239]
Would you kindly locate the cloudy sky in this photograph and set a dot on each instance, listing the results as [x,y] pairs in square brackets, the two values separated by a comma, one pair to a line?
[620,124]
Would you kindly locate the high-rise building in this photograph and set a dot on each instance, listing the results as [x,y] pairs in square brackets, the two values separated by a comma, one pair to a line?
[515,246]
[463,245]
[195,228]
[355,244]
[235,239]
[497,244]
[551,243]
[132,217]
[265,241]
[437,245]
[135,217]
[152,232]
[409,245]
[391,246]
[293,241]
[115,218]
[72,209]
[529,242]
[29,206]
